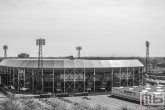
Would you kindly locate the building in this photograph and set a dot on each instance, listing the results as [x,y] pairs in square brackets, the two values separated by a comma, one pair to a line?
[67,76]
[161,64]
[143,94]
[23,55]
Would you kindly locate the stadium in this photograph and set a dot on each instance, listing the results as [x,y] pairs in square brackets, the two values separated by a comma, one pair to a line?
[69,76]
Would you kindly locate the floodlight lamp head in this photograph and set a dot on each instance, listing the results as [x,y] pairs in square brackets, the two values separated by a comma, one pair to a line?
[40,42]
[43,41]
[78,48]
[5,47]
[37,42]
[147,44]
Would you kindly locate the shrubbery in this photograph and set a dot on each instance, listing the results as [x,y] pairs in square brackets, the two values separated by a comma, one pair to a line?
[12,103]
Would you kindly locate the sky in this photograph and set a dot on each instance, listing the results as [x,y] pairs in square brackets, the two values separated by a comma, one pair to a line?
[101,27]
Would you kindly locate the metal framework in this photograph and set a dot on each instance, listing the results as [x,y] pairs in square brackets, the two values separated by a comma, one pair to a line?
[73,80]
[79,80]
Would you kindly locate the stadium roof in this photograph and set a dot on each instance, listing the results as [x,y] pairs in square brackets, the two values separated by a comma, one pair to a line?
[65,63]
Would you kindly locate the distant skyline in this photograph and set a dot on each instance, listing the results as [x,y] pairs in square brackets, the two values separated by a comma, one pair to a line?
[100,27]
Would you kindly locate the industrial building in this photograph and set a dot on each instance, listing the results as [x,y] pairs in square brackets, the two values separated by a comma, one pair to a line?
[69,76]
[138,93]
[23,55]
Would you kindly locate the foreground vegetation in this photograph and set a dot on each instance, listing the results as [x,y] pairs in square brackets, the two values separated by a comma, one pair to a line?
[12,103]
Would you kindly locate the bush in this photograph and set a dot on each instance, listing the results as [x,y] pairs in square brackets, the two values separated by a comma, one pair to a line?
[35,104]
[81,106]
[58,105]
[10,103]
[126,108]
[100,107]
[30,105]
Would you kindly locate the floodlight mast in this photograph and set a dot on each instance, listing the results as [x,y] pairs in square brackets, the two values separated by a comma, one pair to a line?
[147,57]
[78,48]
[40,42]
[5,47]
[147,71]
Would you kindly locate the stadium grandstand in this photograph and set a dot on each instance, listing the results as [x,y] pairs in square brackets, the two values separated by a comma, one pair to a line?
[69,76]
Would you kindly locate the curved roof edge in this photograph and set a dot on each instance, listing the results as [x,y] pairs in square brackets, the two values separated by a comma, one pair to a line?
[53,63]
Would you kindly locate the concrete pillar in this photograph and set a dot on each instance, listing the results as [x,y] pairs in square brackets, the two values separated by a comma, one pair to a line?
[112,81]
[133,76]
[18,79]
[120,76]
[74,81]
[42,80]
[33,80]
[13,77]
[84,79]
[94,79]
[64,81]
[127,77]
[0,79]
[53,80]
[24,77]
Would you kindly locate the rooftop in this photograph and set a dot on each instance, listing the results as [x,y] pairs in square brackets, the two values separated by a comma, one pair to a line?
[66,63]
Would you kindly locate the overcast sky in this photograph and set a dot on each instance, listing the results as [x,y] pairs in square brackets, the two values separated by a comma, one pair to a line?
[101,27]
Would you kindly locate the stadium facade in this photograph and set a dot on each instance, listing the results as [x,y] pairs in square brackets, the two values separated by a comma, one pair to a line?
[67,76]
